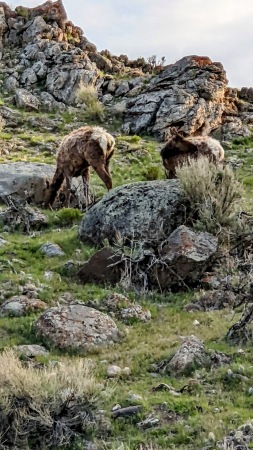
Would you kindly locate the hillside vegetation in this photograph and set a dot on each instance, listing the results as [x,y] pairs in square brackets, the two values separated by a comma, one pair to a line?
[195,417]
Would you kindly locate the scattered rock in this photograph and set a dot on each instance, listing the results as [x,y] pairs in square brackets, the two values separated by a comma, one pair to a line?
[184,256]
[21,305]
[24,99]
[122,308]
[76,327]
[114,371]
[51,250]
[31,351]
[238,439]
[23,218]
[103,267]
[213,300]
[190,356]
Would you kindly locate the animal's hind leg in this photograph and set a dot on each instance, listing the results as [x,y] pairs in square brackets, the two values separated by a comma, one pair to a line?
[54,187]
[86,189]
[68,190]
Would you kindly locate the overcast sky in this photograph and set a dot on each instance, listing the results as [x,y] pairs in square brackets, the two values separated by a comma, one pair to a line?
[220,29]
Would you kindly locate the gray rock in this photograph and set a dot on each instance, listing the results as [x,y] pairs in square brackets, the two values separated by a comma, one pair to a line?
[48,103]
[28,77]
[122,89]
[24,99]
[107,98]
[76,327]
[122,308]
[190,92]
[21,305]
[36,27]
[28,181]
[11,84]
[12,118]
[238,439]
[147,211]
[51,250]
[190,356]
[30,350]
[184,257]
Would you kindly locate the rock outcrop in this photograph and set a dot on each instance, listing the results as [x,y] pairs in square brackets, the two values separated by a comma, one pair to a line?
[45,59]
[191,94]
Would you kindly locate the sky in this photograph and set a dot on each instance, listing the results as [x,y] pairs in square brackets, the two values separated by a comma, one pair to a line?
[219,29]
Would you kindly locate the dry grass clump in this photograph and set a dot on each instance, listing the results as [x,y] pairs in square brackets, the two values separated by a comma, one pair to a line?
[45,407]
[88,95]
[214,193]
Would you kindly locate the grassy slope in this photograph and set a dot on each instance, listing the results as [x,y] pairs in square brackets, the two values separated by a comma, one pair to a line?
[144,344]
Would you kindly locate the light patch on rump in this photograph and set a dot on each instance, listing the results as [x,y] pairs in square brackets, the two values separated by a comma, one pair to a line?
[100,135]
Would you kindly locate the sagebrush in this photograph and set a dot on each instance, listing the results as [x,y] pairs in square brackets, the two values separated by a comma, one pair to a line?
[94,109]
[46,407]
[214,193]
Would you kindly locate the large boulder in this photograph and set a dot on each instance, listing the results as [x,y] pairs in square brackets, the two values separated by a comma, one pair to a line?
[76,327]
[147,211]
[28,181]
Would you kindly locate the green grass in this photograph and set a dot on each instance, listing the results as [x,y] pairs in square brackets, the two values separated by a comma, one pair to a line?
[136,159]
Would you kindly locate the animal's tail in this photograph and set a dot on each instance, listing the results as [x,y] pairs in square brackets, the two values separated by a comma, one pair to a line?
[54,187]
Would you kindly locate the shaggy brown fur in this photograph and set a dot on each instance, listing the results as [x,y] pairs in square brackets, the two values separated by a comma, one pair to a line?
[179,150]
[83,148]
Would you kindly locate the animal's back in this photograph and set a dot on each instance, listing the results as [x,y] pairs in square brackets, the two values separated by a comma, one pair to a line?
[207,144]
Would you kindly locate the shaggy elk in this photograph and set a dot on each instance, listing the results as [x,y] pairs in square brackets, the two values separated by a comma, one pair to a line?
[81,149]
[179,150]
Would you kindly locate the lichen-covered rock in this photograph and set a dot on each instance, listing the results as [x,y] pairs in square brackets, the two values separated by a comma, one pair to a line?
[24,99]
[189,357]
[51,250]
[238,439]
[76,327]
[183,258]
[21,305]
[146,210]
[122,308]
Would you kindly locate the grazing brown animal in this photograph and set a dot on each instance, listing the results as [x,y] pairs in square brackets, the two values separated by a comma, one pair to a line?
[81,149]
[179,150]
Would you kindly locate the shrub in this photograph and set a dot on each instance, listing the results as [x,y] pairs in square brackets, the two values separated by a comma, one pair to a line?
[68,216]
[46,407]
[152,173]
[89,96]
[214,194]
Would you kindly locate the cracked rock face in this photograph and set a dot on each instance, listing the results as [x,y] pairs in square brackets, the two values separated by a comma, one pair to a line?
[76,327]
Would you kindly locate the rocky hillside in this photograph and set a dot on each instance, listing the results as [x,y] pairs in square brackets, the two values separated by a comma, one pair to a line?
[48,56]
[126,325]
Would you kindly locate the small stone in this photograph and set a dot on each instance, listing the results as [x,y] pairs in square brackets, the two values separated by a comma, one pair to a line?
[116,407]
[48,275]
[250,391]
[216,410]
[51,250]
[114,371]
[134,397]
[126,371]
[195,323]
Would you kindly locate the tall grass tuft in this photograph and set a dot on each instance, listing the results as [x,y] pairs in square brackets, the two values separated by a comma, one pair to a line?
[214,193]
[48,406]
[88,96]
